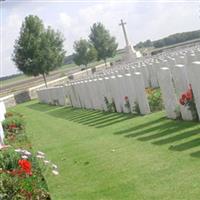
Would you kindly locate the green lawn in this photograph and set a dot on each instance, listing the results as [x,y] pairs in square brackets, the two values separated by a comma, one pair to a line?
[109,156]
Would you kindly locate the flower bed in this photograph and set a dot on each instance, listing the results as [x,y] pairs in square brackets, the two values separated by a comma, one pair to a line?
[22,170]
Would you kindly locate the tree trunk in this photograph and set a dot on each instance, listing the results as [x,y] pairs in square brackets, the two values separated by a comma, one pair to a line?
[44,77]
[86,68]
[105,62]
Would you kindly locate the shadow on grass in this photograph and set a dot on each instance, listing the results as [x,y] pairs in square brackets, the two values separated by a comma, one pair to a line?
[160,131]
[93,118]
[42,107]
[96,119]
[196,154]
[143,125]
[163,131]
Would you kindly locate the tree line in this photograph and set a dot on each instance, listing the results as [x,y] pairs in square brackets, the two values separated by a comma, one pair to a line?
[170,40]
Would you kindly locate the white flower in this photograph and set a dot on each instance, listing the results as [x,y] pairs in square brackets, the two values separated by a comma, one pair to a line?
[18,150]
[27,153]
[54,166]
[46,162]
[40,156]
[55,172]
[25,157]
[40,153]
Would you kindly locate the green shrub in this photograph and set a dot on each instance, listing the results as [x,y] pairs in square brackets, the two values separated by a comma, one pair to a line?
[9,159]
[15,183]
[9,189]
[110,105]
[155,99]
[13,125]
[136,108]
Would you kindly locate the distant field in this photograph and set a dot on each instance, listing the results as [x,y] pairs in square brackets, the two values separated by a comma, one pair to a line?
[62,71]
[13,79]
[24,77]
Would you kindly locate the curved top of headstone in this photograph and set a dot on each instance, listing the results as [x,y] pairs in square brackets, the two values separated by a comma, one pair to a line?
[179,65]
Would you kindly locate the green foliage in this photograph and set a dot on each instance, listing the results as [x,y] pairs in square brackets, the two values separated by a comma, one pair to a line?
[38,50]
[13,125]
[13,184]
[147,43]
[9,159]
[155,99]
[177,38]
[136,108]
[85,52]
[9,189]
[110,105]
[103,42]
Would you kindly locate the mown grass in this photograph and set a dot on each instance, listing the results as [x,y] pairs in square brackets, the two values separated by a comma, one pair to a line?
[110,156]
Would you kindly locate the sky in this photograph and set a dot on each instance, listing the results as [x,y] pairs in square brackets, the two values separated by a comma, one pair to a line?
[145,20]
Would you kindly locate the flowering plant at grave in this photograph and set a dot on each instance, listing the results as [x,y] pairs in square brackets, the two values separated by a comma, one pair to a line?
[13,125]
[127,103]
[136,108]
[21,174]
[110,105]
[187,99]
[155,99]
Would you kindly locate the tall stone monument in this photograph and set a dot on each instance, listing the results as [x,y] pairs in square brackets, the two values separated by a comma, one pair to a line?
[130,54]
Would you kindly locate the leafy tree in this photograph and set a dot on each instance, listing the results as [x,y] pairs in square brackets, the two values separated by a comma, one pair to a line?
[147,43]
[85,52]
[103,42]
[38,51]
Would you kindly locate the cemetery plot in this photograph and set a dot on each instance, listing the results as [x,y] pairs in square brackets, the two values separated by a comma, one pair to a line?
[122,88]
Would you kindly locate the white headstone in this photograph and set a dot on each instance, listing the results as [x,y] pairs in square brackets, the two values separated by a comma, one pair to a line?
[2,117]
[168,92]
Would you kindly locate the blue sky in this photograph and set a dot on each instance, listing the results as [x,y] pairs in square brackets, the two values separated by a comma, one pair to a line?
[145,20]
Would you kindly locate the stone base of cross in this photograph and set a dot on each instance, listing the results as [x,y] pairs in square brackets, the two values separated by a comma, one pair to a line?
[130,54]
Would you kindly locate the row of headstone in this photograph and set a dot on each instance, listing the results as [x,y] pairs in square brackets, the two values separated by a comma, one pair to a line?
[2,117]
[172,72]
[53,95]
[117,88]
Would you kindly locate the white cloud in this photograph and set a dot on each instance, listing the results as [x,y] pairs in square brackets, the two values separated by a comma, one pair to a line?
[65,20]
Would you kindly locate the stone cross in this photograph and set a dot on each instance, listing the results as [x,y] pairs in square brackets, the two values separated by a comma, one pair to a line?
[124,31]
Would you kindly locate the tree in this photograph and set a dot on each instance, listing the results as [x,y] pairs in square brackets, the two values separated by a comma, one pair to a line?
[103,42]
[85,52]
[38,51]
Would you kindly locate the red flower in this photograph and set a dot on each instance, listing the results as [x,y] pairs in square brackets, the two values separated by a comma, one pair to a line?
[126,98]
[186,97]
[26,166]
[183,96]
[11,126]
[181,101]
